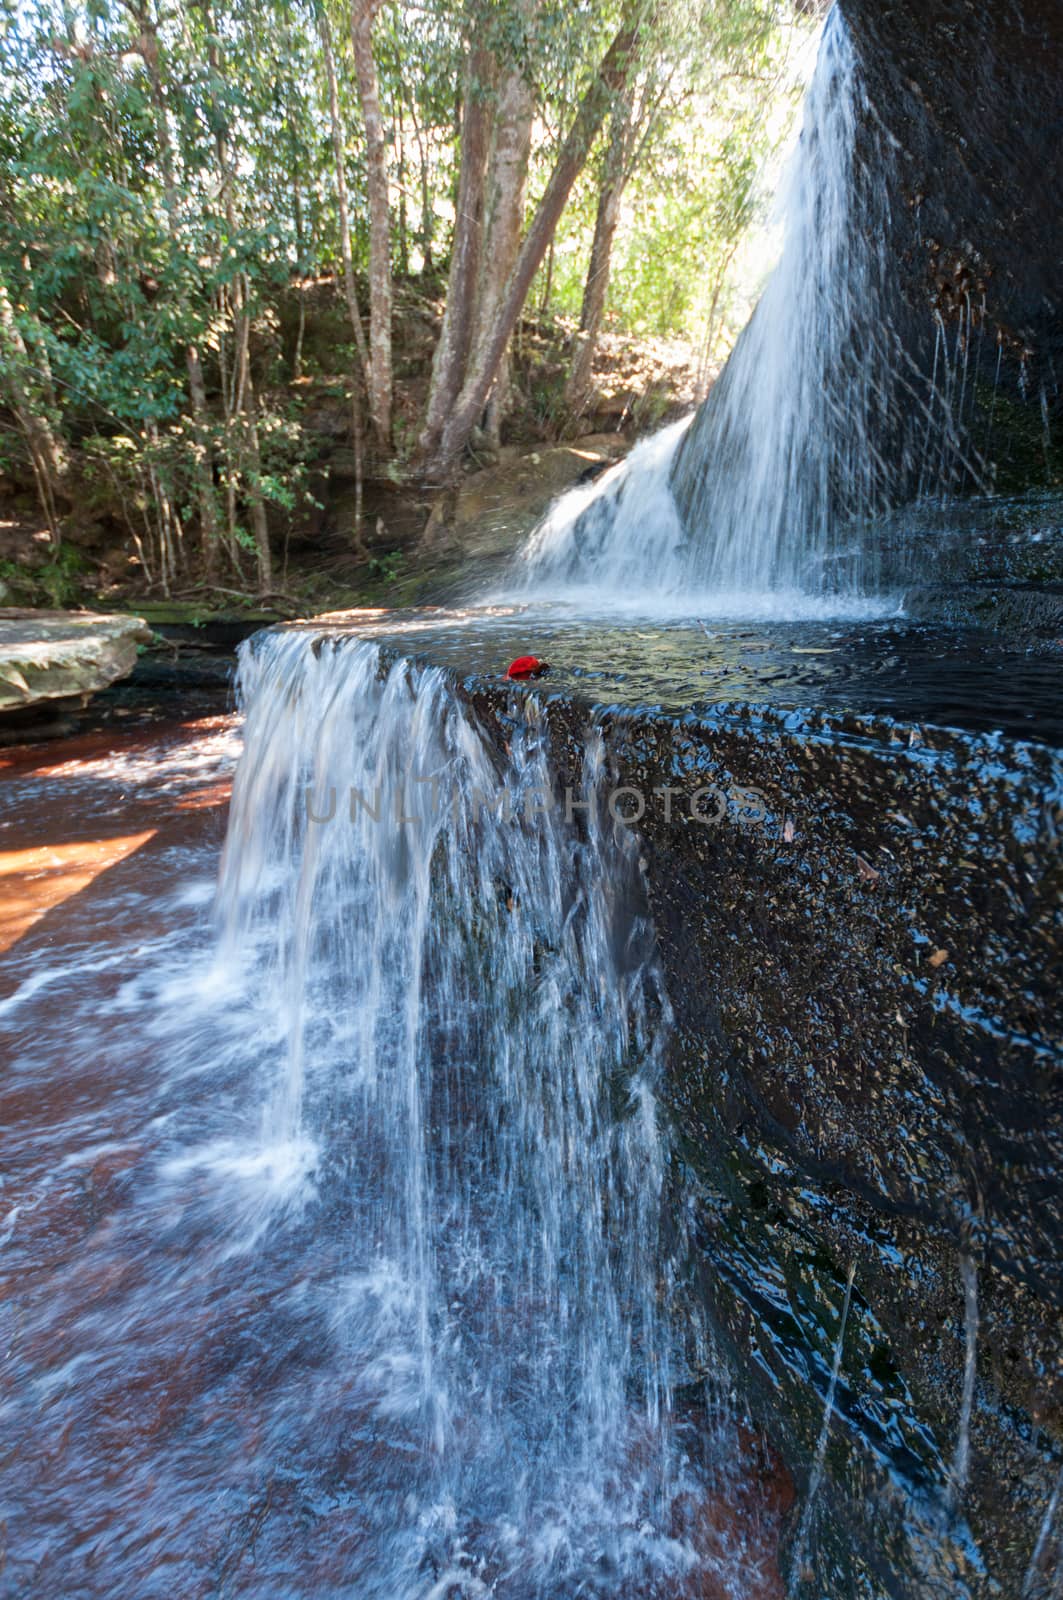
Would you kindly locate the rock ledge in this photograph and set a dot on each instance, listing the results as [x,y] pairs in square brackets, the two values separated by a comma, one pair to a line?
[63,655]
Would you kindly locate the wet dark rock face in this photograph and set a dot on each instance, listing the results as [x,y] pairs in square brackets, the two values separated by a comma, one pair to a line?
[996,564]
[867,1076]
[971,96]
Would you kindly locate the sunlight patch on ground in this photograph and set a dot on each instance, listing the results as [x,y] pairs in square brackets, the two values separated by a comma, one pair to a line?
[33,881]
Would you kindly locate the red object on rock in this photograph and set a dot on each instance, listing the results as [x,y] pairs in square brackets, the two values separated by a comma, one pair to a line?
[527,667]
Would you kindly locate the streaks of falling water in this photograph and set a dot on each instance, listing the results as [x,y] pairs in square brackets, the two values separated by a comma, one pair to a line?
[1033,1571]
[961,1455]
[818,1459]
[788,444]
[473,1027]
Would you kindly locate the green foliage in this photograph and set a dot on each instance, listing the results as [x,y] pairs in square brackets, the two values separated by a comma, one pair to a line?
[713,108]
[167,188]
[386,569]
[548,405]
[59,583]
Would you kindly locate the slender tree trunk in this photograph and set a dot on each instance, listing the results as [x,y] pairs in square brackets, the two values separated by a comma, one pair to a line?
[229,401]
[379,376]
[300,251]
[338,142]
[506,190]
[448,366]
[170,531]
[709,340]
[43,366]
[354,315]
[300,335]
[204,462]
[404,230]
[148,47]
[614,177]
[249,414]
[247,406]
[426,192]
[548,281]
[610,80]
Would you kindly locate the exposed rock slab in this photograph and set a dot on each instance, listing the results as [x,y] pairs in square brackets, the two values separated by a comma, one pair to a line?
[48,656]
[867,1075]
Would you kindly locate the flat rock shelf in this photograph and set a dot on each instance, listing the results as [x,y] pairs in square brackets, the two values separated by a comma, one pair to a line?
[887,668]
[61,656]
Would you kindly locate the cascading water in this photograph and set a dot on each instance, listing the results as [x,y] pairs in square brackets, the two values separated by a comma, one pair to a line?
[469,1026]
[615,538]
[794,428]
[760,506]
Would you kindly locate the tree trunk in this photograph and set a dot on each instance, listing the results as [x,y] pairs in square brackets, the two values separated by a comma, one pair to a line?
[506,189]
[208,511]
[548,281]
[404,229]
[248,411]
[300,277]
[379,375]
[148,46]
[247,405]
[354,315]
[346,254]
[427,216]
[610,80]
[701,382]
[614,177]
[448,366]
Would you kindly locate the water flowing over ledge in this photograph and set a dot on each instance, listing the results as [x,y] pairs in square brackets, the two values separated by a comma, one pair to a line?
[882,377]
[809,939]
[473,1032]
[457,1158]
[542,1155]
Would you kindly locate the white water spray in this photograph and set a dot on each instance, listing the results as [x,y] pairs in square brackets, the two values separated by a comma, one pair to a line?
[472,1030]
[962,1454]
[614,536]
[759,508]
[1033,1571]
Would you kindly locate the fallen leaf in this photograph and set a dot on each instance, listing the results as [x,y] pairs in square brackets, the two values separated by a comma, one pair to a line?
[939,957]
[866,870]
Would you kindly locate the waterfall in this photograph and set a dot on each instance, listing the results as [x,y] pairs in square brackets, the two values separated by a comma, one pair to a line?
[615,539]
[961,1458]
[469,1029]
[819,422]
[786,452]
